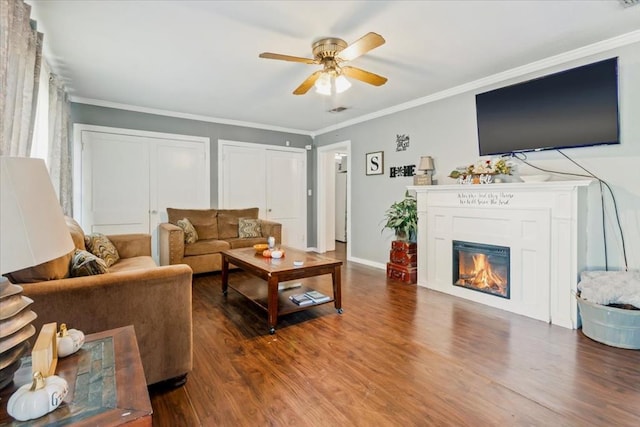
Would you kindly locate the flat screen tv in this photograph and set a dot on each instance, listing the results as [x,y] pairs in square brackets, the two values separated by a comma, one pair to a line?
[572,108]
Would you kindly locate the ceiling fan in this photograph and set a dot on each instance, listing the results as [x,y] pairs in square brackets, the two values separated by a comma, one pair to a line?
[331,52]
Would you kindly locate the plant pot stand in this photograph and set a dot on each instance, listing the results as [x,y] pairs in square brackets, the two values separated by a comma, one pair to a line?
[403,262]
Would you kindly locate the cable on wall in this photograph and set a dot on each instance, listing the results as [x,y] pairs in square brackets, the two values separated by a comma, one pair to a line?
[523,158]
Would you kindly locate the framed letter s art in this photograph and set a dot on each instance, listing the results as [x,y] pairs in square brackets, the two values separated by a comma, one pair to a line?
[375,163]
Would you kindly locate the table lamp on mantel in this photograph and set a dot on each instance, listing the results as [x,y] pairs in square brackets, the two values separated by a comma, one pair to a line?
[426,167]
[32,231]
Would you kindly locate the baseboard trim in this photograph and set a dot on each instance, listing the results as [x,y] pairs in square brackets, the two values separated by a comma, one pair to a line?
[368,263]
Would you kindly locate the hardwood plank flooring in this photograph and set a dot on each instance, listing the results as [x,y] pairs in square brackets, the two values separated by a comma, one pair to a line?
[399,355]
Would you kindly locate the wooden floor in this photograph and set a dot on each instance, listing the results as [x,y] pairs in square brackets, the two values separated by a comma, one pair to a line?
[399,355]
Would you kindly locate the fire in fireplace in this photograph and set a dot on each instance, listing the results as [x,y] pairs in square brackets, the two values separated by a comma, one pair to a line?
[481,267]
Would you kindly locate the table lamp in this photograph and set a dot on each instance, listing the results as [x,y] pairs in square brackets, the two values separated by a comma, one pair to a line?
[32,231]
[427,168]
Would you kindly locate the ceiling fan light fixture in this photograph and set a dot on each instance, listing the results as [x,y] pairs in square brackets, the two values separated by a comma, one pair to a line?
[327,83]
[342,84]
[323,84]
[331,53]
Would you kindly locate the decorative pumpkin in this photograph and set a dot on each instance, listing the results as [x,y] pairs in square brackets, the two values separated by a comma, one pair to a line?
[69,340]
[266,253]
[39,398]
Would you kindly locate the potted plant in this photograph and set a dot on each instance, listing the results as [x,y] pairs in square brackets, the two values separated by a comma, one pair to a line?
[402,217]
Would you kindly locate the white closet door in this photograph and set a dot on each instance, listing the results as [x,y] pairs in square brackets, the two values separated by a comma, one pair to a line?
[286,183]
[128,179]
[115,184]
[274,180]
[179,178]
[243,178]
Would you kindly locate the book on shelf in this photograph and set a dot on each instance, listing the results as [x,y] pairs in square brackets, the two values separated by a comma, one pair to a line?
[301,299]
[317,297]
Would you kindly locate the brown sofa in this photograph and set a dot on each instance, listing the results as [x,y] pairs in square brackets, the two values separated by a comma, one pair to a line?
[135,291]
[217,230]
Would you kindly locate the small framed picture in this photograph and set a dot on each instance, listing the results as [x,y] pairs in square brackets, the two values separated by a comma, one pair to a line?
[375,163]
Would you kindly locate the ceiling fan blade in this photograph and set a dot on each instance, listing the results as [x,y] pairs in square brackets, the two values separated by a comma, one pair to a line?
[269,55]
[365,76]
[361,46]
[307,84]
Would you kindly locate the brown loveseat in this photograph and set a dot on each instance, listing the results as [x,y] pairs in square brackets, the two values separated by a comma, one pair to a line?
[135,291]
[217,230]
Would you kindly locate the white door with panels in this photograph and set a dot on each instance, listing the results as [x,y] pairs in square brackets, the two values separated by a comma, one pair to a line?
[270,178]
[114,184]
[242,175]
[286,187]
[126,179]
[179,177]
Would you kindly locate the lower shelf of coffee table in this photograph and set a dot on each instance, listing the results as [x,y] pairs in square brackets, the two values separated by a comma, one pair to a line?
[256,290]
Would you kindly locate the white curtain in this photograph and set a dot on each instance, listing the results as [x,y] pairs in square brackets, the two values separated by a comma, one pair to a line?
[60,151]
[20,58]
[40,140]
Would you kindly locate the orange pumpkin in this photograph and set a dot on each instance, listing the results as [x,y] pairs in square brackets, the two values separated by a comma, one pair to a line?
[266,253]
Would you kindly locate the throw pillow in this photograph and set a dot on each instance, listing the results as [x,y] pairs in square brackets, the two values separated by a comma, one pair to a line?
[51,270]
[100,245]
[249,227]
[85,263]
[77,235]
[190,233]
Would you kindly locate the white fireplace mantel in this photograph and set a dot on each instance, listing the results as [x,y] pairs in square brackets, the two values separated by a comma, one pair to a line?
[543,223]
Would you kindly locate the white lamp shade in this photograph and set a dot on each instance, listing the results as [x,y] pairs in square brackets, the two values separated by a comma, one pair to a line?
[323,84]
[32,225]
[426,163]
[327,84]
[342,84]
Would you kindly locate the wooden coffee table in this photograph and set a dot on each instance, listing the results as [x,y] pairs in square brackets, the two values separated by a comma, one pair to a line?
[274,271]
[106,382]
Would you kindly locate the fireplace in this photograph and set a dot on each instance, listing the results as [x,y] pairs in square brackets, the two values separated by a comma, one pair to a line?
[544,225]
[481,267]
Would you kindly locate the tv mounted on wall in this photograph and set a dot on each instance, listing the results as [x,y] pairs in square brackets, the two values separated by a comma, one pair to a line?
[572,108]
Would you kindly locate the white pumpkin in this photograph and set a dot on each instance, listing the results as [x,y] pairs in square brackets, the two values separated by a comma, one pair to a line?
[69,340]
[39,398]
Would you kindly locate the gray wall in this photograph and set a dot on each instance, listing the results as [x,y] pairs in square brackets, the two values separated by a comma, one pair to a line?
[446,130]
[112,117]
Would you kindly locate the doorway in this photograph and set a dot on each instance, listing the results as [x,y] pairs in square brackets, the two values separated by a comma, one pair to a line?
[341,198]
[326,178]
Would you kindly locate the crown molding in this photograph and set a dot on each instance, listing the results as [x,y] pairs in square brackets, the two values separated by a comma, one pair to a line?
[572,55]
[128,107]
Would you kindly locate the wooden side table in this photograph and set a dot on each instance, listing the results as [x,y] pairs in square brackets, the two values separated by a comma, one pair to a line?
[106,381]
[403,262]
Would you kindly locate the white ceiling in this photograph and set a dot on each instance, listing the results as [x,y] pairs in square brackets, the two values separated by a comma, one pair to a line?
[200,58]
